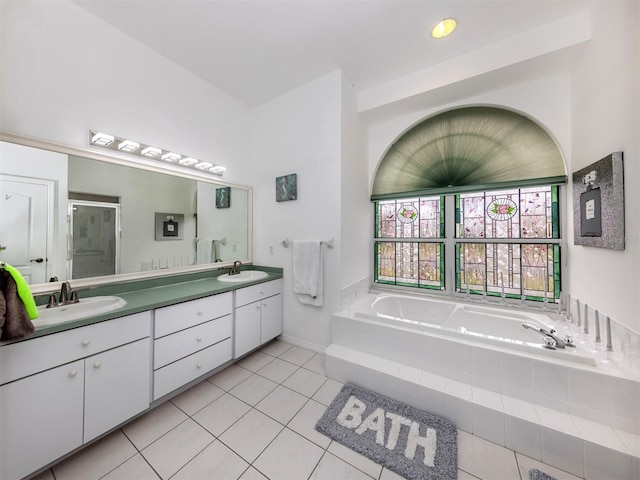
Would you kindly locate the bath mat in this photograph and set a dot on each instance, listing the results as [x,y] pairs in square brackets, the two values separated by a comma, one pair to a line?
[535,474]
[412,443]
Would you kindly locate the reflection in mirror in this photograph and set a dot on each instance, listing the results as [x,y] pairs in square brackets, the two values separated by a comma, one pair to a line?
[89,217]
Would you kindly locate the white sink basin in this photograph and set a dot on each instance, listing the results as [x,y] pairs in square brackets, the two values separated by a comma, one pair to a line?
[85,308]
[244,276]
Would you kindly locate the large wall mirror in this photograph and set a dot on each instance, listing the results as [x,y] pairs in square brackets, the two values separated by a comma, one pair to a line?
[92,218]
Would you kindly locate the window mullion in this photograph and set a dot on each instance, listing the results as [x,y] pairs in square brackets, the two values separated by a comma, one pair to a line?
[450,243]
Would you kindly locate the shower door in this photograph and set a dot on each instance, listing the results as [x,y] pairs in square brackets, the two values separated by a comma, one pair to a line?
[94,239]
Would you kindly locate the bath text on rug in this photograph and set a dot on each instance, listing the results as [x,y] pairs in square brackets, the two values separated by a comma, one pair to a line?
[351,417]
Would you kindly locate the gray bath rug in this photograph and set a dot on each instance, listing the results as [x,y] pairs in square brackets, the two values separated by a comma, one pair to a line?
[412,443]
[535,474]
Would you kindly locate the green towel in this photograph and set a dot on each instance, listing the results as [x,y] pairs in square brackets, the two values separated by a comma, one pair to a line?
[23,291]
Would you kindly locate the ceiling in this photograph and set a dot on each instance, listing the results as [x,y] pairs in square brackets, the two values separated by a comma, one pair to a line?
[256,50]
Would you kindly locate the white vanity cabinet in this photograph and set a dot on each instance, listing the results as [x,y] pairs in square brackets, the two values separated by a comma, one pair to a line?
[62,390]
[191,339]
[258,315]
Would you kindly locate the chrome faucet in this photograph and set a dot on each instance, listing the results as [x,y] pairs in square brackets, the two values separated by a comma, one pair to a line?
[67,296]
[236,268]
[551,340]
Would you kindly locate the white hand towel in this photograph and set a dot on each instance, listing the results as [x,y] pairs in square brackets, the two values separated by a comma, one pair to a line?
[308,271]
[205,249]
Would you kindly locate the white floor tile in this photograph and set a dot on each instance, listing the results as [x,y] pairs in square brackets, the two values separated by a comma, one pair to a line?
[328,391]
[462,475]
[389,475]
[221,414]
[249,436]
[361,462]
[305,382]
[252,474]
[253,389]
[305,421]
[278,370]
[332,468]
[484,459]
[289,456]
[171,452]
[197,397]
[316,364]
[526,463]
[255,361]
[215,461]
[282,404]
[135,468]
[297,355]
[229,377]
[276,348]
[152,425]
[97,459]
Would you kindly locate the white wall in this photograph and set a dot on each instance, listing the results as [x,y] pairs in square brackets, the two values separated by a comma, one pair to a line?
[299,132]
[63,72]
[605,117]
[356,209]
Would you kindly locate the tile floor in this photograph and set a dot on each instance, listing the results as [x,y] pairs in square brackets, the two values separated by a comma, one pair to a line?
[255,420]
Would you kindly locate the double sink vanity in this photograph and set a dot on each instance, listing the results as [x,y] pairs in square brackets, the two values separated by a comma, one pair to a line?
[121,350]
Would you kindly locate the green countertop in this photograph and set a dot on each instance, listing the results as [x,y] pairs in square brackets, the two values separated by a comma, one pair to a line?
[145,295]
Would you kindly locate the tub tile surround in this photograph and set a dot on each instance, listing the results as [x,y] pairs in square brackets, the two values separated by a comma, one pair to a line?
[552,411]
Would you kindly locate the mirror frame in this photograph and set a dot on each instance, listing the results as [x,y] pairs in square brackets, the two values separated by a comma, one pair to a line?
[144,164]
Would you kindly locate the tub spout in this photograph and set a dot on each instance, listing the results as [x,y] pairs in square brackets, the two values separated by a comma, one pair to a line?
[559,343]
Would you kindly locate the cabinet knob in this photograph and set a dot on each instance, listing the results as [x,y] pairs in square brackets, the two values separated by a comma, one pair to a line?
[199,365]
[199,313]
[96,364]
[73,373]
[199,339]
[261,292]
[264,304]
[85,343]
[258,306]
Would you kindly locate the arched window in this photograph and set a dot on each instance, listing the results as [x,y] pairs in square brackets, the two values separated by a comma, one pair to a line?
[467,201]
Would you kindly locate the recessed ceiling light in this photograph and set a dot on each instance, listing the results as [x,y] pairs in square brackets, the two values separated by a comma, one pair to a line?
[444,28]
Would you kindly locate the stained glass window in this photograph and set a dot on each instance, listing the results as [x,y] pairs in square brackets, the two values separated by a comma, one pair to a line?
[506,242]
[410,262]
[519,213]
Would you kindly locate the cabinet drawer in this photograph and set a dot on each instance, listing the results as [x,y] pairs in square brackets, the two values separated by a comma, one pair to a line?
[179,373]
[20,359]
[258,292]
[181,344]
[187,314]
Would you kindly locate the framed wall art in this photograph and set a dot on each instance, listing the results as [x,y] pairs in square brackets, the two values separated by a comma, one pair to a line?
[223,197]
[598,204]
[287,187]
[169,226]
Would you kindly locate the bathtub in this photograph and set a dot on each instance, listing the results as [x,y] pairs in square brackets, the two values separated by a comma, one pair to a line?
[497,326]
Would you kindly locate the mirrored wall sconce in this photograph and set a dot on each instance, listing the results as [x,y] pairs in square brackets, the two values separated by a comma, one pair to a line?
[128,146]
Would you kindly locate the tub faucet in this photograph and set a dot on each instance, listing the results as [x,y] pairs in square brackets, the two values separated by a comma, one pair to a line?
[67,296]
[557,341]
[236,268]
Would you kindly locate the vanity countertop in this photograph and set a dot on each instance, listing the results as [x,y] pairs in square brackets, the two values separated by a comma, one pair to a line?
[148,295]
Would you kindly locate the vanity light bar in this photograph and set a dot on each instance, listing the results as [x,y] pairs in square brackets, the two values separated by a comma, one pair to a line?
[128,146]
[110,142]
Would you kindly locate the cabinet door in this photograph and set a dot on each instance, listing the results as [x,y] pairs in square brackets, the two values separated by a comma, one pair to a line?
[41,418]
[117,386]
[247,331]
[271,323]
